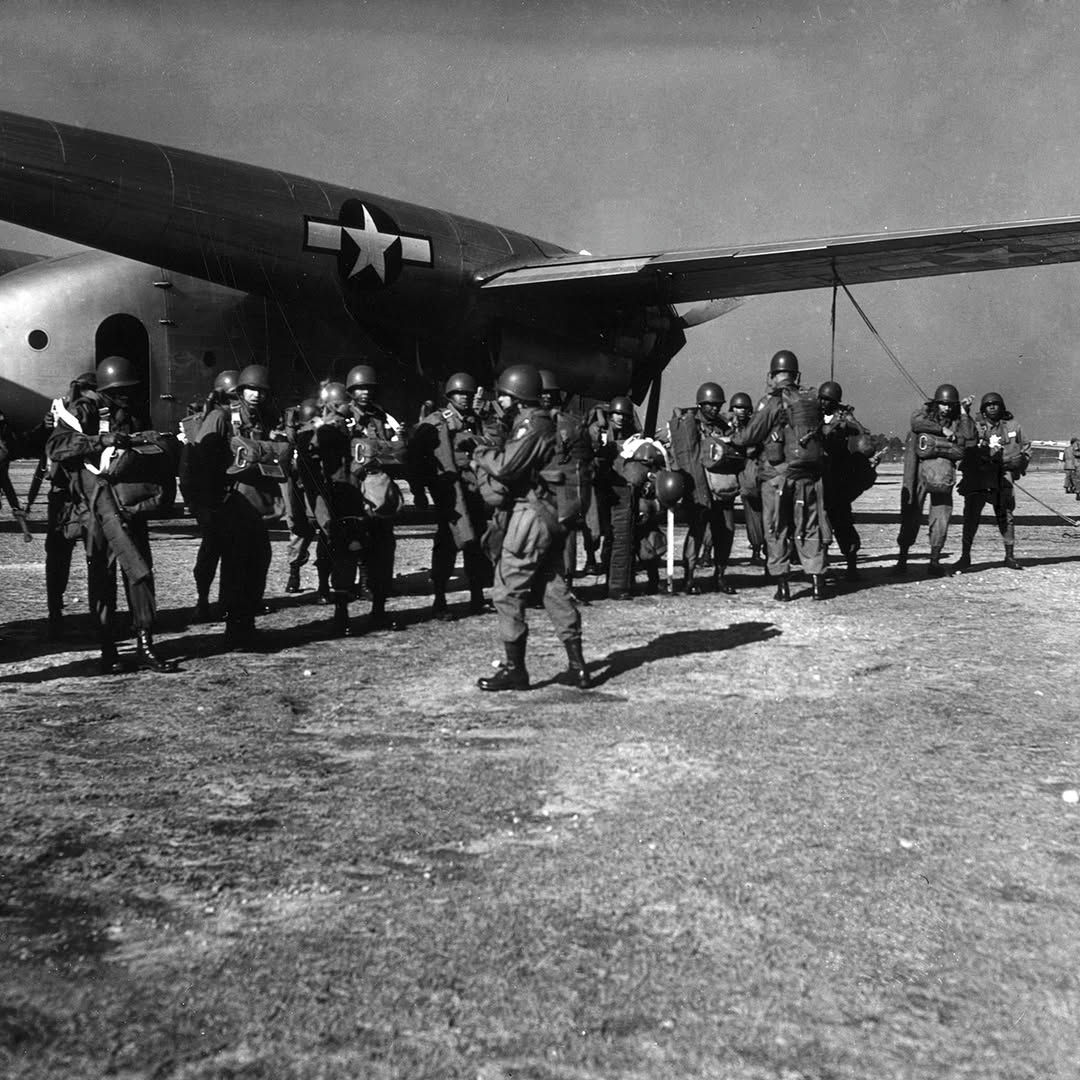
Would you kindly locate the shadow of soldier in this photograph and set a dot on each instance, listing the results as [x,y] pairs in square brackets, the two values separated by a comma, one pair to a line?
[680,643]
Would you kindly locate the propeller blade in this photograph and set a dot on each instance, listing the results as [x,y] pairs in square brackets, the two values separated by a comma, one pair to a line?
[709,310]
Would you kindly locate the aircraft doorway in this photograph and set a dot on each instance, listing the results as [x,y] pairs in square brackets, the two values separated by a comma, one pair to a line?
[124,335]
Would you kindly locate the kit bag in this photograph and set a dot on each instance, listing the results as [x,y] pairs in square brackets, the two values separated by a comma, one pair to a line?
[938,474]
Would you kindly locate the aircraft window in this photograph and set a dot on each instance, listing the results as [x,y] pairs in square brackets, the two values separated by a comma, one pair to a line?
[38,339]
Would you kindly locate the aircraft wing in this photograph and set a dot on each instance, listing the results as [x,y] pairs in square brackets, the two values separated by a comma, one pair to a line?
[749,270]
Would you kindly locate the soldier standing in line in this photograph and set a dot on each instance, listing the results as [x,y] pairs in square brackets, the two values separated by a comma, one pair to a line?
[371,421]
[532,545]
[609,428]
[90,436]
[202,495]
[742,408]
[848,473]
[700,441]
[788,424]
[573,467]
[250,497]
[441,448]
[996,456]
[937,440]
[301,532]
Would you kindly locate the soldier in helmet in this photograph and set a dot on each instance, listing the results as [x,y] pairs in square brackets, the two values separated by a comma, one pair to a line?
[609,427]
[996,456]
[1070,463]
[939,435]
[90,435]
[248,499]
[570,474]
[532,544]
[201,494]
[848,472]
[742,408]
[369,418]
[301,532]
[441,449]
[787,425]
[702,447]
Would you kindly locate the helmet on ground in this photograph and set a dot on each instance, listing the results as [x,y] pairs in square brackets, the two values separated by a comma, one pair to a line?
[333,393]
[671,486]
[993,398]
[520,381]
[548,383]
[741,401]
[115,372]
[784,360]
[947,394]
[622,405]
[710,393]
[254,377]
[227,381]
[831,391]
[361,375]
[308,409]
[461,383]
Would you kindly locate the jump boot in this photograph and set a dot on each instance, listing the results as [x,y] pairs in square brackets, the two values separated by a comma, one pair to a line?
[900,569]
[109,661]
[852,572]
[339,624]
[964,562]
[935,569]
[511,673]
[577,668]
[292,583]
[689,585]
[147,657]
[783,589]
[721,583]
[817,587]
[1010,559]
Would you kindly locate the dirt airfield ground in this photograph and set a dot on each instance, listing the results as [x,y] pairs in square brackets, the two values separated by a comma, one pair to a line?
[775,841]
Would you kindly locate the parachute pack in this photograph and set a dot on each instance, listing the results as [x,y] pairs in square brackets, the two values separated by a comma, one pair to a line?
[804,446]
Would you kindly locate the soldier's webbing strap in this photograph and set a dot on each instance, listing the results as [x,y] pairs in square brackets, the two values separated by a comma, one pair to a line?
[107,513]
[620,575]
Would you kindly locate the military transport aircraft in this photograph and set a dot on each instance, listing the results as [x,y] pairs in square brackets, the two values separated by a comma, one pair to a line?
[214,263]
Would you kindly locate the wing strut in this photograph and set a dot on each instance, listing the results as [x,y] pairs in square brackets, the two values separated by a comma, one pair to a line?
[653,409]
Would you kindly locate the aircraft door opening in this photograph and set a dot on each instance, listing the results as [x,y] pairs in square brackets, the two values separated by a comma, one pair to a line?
[124,335]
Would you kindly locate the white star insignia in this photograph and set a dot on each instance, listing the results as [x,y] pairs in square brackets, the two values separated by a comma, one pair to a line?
[371,244]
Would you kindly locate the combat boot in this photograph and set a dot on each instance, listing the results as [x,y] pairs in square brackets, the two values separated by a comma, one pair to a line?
[1010,559]
[722,585]
[240,633]
[852,573]
[292,585]
[964,562]
[900,569]
[511,674]
[339,625]
[935,569]
[147,657]
[109,661]
[201,612]
[577,668]
[817,587]
[783,589]
[478,604]
[755,557]
[440,609]
[689,586]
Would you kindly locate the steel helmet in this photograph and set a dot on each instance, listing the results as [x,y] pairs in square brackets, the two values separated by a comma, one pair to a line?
[622,405]
[710,393]
[649,454]
[784,360]
[831,391]
[333,394]
[461,383]
[947,394]
[548,383]
[227,381]
[671,486]
[741,401]
[115,372]
[992,398]
[520,381]
[307,410]
[254,377]
[361,375]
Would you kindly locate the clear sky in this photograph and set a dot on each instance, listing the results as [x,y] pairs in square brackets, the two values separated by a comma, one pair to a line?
[647,125]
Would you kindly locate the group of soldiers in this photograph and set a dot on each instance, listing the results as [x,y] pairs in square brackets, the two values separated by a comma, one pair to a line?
[514,479]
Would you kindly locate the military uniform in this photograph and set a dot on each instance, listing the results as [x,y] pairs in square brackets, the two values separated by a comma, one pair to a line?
[750,495]
[790,495]
[442,447]
[987,481]
[847,475]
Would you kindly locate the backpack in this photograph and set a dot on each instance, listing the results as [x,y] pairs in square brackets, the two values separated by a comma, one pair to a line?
[804,445]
